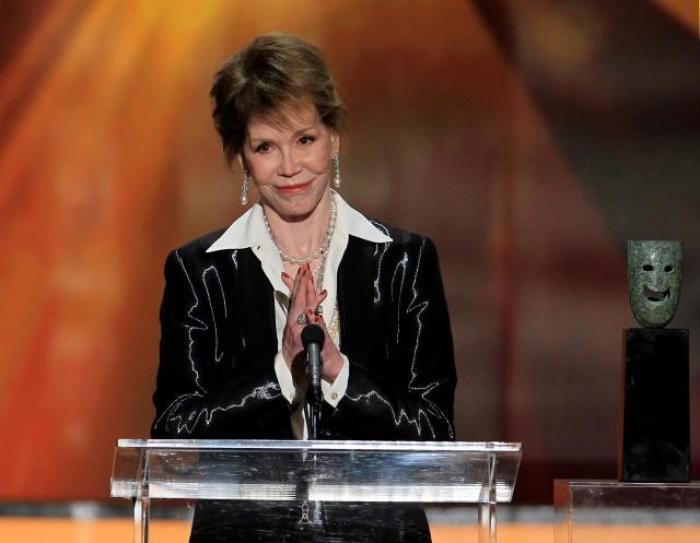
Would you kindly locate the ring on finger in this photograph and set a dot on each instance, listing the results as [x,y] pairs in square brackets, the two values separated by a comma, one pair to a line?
[302,320]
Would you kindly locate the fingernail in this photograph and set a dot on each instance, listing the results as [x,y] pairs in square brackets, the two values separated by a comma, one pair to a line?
[324,291]
[285,274]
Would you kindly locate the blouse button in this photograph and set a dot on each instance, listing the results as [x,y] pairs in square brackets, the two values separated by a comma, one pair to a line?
[334,396]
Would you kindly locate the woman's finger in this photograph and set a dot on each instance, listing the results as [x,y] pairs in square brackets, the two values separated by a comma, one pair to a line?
[297,279]
[311,281]
[298,305]
[288,281]
[310,290]
[317,299]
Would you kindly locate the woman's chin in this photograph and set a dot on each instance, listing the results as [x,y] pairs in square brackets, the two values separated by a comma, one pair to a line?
[294,207]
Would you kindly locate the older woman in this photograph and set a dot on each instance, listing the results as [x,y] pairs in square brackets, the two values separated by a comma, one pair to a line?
[235,301]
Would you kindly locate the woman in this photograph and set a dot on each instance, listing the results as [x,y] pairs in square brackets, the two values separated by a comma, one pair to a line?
[235,301]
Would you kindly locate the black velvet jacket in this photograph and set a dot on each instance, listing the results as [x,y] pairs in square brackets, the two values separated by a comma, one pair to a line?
[216,377]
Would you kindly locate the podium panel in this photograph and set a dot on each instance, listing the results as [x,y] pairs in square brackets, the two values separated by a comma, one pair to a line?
[314,490]
[602,511]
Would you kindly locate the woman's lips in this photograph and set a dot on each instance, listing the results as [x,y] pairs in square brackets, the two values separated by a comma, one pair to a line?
[293,189]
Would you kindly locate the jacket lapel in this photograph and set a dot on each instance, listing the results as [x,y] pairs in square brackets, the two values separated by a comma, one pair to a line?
[254,303]
[356,275]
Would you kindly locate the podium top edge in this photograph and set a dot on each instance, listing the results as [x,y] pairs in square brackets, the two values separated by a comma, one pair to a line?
[379,446]
[613,483]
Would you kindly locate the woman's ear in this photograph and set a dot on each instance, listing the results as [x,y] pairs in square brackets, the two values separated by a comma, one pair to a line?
[241,161]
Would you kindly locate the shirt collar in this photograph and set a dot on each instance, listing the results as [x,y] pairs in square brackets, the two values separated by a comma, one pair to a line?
[249,229]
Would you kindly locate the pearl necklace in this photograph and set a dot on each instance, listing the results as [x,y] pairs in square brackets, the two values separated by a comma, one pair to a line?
[320,251]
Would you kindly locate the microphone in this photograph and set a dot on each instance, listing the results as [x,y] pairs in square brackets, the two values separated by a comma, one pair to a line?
[312,337]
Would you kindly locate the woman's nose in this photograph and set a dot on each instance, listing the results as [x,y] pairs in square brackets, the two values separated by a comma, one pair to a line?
[289,163]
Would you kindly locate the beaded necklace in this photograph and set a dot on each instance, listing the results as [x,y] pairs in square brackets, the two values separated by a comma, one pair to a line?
[320,251]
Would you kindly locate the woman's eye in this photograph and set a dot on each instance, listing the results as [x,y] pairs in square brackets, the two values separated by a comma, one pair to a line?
[263,147]
[305,140]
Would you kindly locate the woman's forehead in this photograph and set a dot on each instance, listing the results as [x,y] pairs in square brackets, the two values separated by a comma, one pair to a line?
[289,118]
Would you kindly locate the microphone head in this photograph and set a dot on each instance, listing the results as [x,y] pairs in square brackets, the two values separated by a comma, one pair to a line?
[312,333]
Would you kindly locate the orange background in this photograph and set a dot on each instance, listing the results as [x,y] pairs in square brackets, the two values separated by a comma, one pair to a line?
[530,141]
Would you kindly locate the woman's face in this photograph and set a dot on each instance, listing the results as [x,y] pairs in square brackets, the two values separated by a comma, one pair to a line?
[290,161]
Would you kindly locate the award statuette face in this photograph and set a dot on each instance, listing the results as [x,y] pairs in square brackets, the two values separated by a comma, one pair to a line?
[654,272]
[655,437]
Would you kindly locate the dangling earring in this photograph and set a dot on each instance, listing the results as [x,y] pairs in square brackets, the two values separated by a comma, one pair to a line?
[336,167]
[244,187]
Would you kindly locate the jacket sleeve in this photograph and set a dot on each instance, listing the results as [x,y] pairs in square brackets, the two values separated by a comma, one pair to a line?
[415,399]
[190,399]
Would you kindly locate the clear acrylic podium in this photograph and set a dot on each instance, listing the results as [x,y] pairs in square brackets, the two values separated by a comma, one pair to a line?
[316,471]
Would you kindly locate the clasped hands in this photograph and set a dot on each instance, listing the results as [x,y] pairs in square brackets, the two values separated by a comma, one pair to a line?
[304,301]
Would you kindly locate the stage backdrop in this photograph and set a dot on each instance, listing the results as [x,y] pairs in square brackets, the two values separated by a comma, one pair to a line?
[528,139]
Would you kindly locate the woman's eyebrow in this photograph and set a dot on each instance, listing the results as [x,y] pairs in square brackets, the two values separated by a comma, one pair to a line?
[296,133]
[305,129]
[259,138]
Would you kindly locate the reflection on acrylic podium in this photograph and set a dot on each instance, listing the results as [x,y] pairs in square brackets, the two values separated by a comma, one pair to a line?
[303,476]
